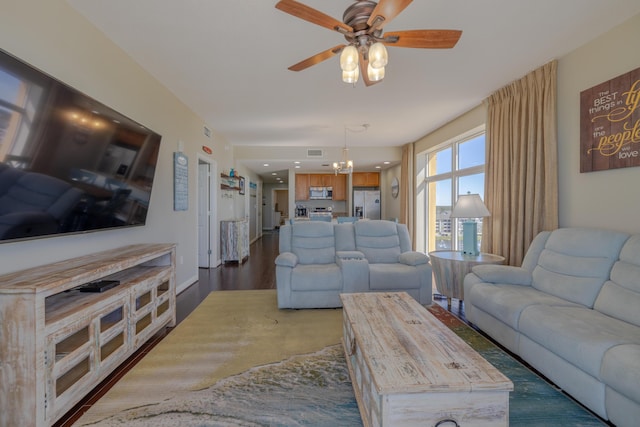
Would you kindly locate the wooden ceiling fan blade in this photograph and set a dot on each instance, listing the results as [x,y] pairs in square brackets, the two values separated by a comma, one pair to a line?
[312,15]
[317,58]
[387,10]
[425,39]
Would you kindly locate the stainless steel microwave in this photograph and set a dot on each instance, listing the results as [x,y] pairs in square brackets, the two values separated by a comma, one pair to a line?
[320,193]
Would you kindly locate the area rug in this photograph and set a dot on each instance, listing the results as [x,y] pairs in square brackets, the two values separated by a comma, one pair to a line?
[239,361]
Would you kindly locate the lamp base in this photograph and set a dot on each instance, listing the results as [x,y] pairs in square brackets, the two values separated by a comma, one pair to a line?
[470,238]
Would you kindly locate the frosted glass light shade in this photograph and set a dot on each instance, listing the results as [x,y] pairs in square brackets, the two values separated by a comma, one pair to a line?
[375,74]
[351,76]
[378,57]
[349,58]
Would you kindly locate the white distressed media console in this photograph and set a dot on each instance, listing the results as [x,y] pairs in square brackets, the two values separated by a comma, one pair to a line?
[57,343]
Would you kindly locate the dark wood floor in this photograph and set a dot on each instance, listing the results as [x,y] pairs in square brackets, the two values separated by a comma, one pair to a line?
[257,272]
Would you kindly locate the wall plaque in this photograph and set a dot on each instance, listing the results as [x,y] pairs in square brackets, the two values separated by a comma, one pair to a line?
[180,182]
[610,124]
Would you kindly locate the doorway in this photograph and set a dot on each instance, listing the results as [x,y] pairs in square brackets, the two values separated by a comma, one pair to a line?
[208,255]
[281,206]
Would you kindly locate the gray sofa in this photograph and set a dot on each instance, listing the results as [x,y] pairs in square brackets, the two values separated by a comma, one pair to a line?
[318,261]
[572,311]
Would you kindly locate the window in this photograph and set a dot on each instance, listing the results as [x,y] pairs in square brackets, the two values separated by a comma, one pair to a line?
[453,168]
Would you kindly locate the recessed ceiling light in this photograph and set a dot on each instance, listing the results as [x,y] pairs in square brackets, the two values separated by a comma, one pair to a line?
[387,163]
[296,162]
[297,166]
[274,173]
[265,165]
[378,167]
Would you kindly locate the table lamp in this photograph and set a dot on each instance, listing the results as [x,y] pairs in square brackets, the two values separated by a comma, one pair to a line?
[470,206]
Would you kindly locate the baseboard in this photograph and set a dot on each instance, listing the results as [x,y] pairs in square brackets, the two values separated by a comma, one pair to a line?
[184,285]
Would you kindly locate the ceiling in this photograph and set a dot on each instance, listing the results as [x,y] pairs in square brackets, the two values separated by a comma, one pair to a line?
[227,60]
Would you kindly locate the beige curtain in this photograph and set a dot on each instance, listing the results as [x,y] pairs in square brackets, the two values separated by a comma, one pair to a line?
[521,185]
[407,191]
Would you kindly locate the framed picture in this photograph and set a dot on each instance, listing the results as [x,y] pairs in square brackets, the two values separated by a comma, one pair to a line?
[241,185]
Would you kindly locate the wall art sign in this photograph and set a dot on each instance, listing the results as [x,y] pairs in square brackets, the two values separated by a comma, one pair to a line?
[610,124]
[180,182]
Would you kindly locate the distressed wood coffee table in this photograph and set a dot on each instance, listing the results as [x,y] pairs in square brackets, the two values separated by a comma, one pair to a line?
[409,369]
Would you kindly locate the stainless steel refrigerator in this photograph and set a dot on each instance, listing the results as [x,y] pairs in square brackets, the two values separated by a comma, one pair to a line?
[366,204]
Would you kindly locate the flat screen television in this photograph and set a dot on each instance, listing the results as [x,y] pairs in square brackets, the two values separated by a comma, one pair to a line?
[68,163]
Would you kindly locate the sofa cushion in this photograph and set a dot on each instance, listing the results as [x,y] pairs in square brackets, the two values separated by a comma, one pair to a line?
[313,242]
[579,335]
[506,302]
[620,297]
[378,241]
[316,277]
[507,274]
[576,262]
[345,237]
[393,276]
[620,370]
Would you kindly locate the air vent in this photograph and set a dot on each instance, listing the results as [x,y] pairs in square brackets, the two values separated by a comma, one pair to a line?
[314,152]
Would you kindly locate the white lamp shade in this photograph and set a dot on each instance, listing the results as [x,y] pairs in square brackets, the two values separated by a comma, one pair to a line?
[469,206]
[375,74]
[349,58]
[378,57]
[351,76]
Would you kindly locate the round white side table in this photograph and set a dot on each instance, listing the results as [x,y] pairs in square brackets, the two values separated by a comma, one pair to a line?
[450,267]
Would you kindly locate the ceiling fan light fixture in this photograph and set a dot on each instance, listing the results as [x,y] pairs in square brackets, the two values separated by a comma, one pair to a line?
[349,58]
[375,74]
[378,56]
[351,76]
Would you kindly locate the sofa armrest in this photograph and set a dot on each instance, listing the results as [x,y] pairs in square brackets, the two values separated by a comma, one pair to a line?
[355,271]
[347,255]
[413,258]
[493,273]
[287,259]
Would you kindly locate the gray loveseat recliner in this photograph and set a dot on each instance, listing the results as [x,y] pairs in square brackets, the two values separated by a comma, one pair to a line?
[572,311]
[318,261]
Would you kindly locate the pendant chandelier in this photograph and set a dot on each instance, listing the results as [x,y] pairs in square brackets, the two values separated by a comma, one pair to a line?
[345,166]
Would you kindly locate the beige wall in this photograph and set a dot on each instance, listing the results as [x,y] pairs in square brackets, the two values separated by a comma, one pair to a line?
[390,206]
[51,36]
[470,120]
[608,199]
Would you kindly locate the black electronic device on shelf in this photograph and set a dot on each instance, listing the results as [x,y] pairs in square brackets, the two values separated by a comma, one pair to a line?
[99,286]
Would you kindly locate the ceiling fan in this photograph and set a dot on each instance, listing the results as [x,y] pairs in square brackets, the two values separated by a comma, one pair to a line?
[362,27]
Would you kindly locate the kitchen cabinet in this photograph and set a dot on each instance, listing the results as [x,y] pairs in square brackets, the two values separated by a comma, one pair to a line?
[302,186]
[339,184]
[320,180]
[366,179]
